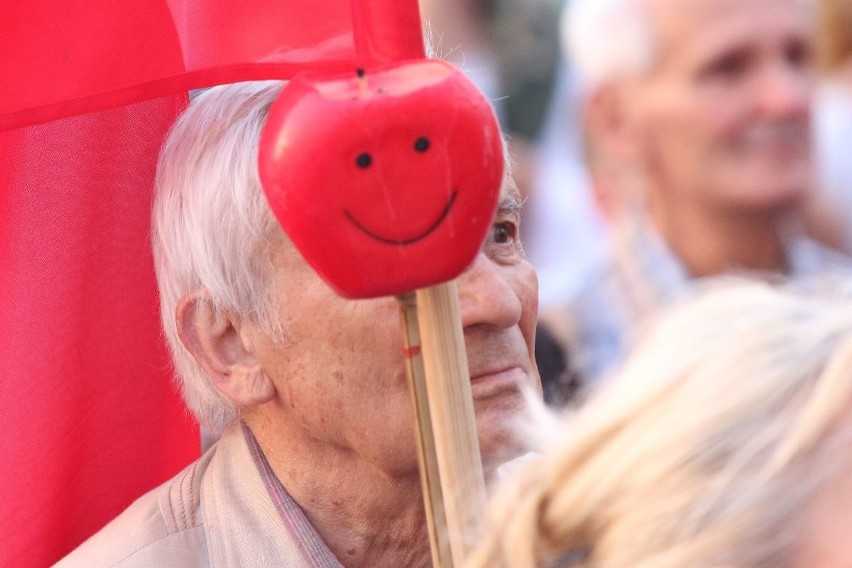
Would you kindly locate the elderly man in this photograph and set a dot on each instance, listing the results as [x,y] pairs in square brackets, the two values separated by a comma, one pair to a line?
[316,464]
[697,122]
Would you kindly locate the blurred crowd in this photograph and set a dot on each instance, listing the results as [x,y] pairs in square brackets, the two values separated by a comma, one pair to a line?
[666,147]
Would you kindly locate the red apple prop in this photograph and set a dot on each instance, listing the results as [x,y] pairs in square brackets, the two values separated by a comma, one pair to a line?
[386,181]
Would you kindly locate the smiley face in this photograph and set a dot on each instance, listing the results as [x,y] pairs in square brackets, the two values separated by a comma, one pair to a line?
[385,183]
[364,161]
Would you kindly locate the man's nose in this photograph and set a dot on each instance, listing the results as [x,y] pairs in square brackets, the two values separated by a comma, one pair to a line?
[487,296]
[786,91]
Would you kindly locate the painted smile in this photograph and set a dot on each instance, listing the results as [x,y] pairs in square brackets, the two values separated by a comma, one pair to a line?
[407,240]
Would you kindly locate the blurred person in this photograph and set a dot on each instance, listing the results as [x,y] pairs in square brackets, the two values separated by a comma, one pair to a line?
[316,464]
[697,116]
[725,442]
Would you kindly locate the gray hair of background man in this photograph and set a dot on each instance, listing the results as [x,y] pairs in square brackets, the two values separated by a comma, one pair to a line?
[607,39]
[211,225]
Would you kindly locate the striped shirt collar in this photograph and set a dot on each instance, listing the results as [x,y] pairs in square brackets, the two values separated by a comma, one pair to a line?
[311,545]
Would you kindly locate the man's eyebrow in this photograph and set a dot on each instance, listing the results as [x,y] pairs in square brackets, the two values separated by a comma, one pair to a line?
[510,205]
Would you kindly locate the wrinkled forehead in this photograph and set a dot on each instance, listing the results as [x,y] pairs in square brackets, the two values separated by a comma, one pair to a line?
[683,26]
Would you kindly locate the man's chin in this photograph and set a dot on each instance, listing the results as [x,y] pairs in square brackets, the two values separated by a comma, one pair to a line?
[500,439]
[507,452]
[765,197]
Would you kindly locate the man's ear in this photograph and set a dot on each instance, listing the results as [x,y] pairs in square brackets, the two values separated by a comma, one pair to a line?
[610,122]
[220,346]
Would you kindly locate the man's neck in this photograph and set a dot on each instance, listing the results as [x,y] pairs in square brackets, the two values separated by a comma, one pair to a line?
[365,517]
[711,241]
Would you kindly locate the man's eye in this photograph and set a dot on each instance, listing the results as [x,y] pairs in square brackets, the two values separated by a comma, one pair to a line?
[798,54]
[503,233]
[728,66]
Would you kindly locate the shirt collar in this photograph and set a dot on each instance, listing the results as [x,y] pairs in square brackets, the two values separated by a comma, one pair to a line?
[294,519]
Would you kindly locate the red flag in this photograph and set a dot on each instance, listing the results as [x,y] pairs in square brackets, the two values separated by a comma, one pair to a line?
[88,417]
[65,57]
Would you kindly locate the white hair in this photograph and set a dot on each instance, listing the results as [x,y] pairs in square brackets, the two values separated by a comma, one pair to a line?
[605,40]
[704,451]
[211,225]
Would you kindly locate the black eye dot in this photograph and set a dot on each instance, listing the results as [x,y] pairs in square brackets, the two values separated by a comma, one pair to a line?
[421,144]
[364,160]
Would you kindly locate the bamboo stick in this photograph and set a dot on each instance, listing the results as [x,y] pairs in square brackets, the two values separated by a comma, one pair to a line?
[452,416]
[436,519]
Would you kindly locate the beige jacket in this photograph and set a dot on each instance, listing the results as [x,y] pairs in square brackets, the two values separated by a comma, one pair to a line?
[218,512]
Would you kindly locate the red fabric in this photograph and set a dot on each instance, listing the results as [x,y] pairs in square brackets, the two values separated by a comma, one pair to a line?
[76,56]
[88,417]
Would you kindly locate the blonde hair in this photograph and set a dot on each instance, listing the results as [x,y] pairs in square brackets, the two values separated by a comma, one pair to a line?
[702,452]
[211,225]
[834,41]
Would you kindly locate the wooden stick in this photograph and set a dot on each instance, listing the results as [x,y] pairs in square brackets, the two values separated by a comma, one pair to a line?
[436,519]
[453,422]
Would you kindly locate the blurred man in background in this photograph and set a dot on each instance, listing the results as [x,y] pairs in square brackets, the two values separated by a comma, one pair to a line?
[697,129]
